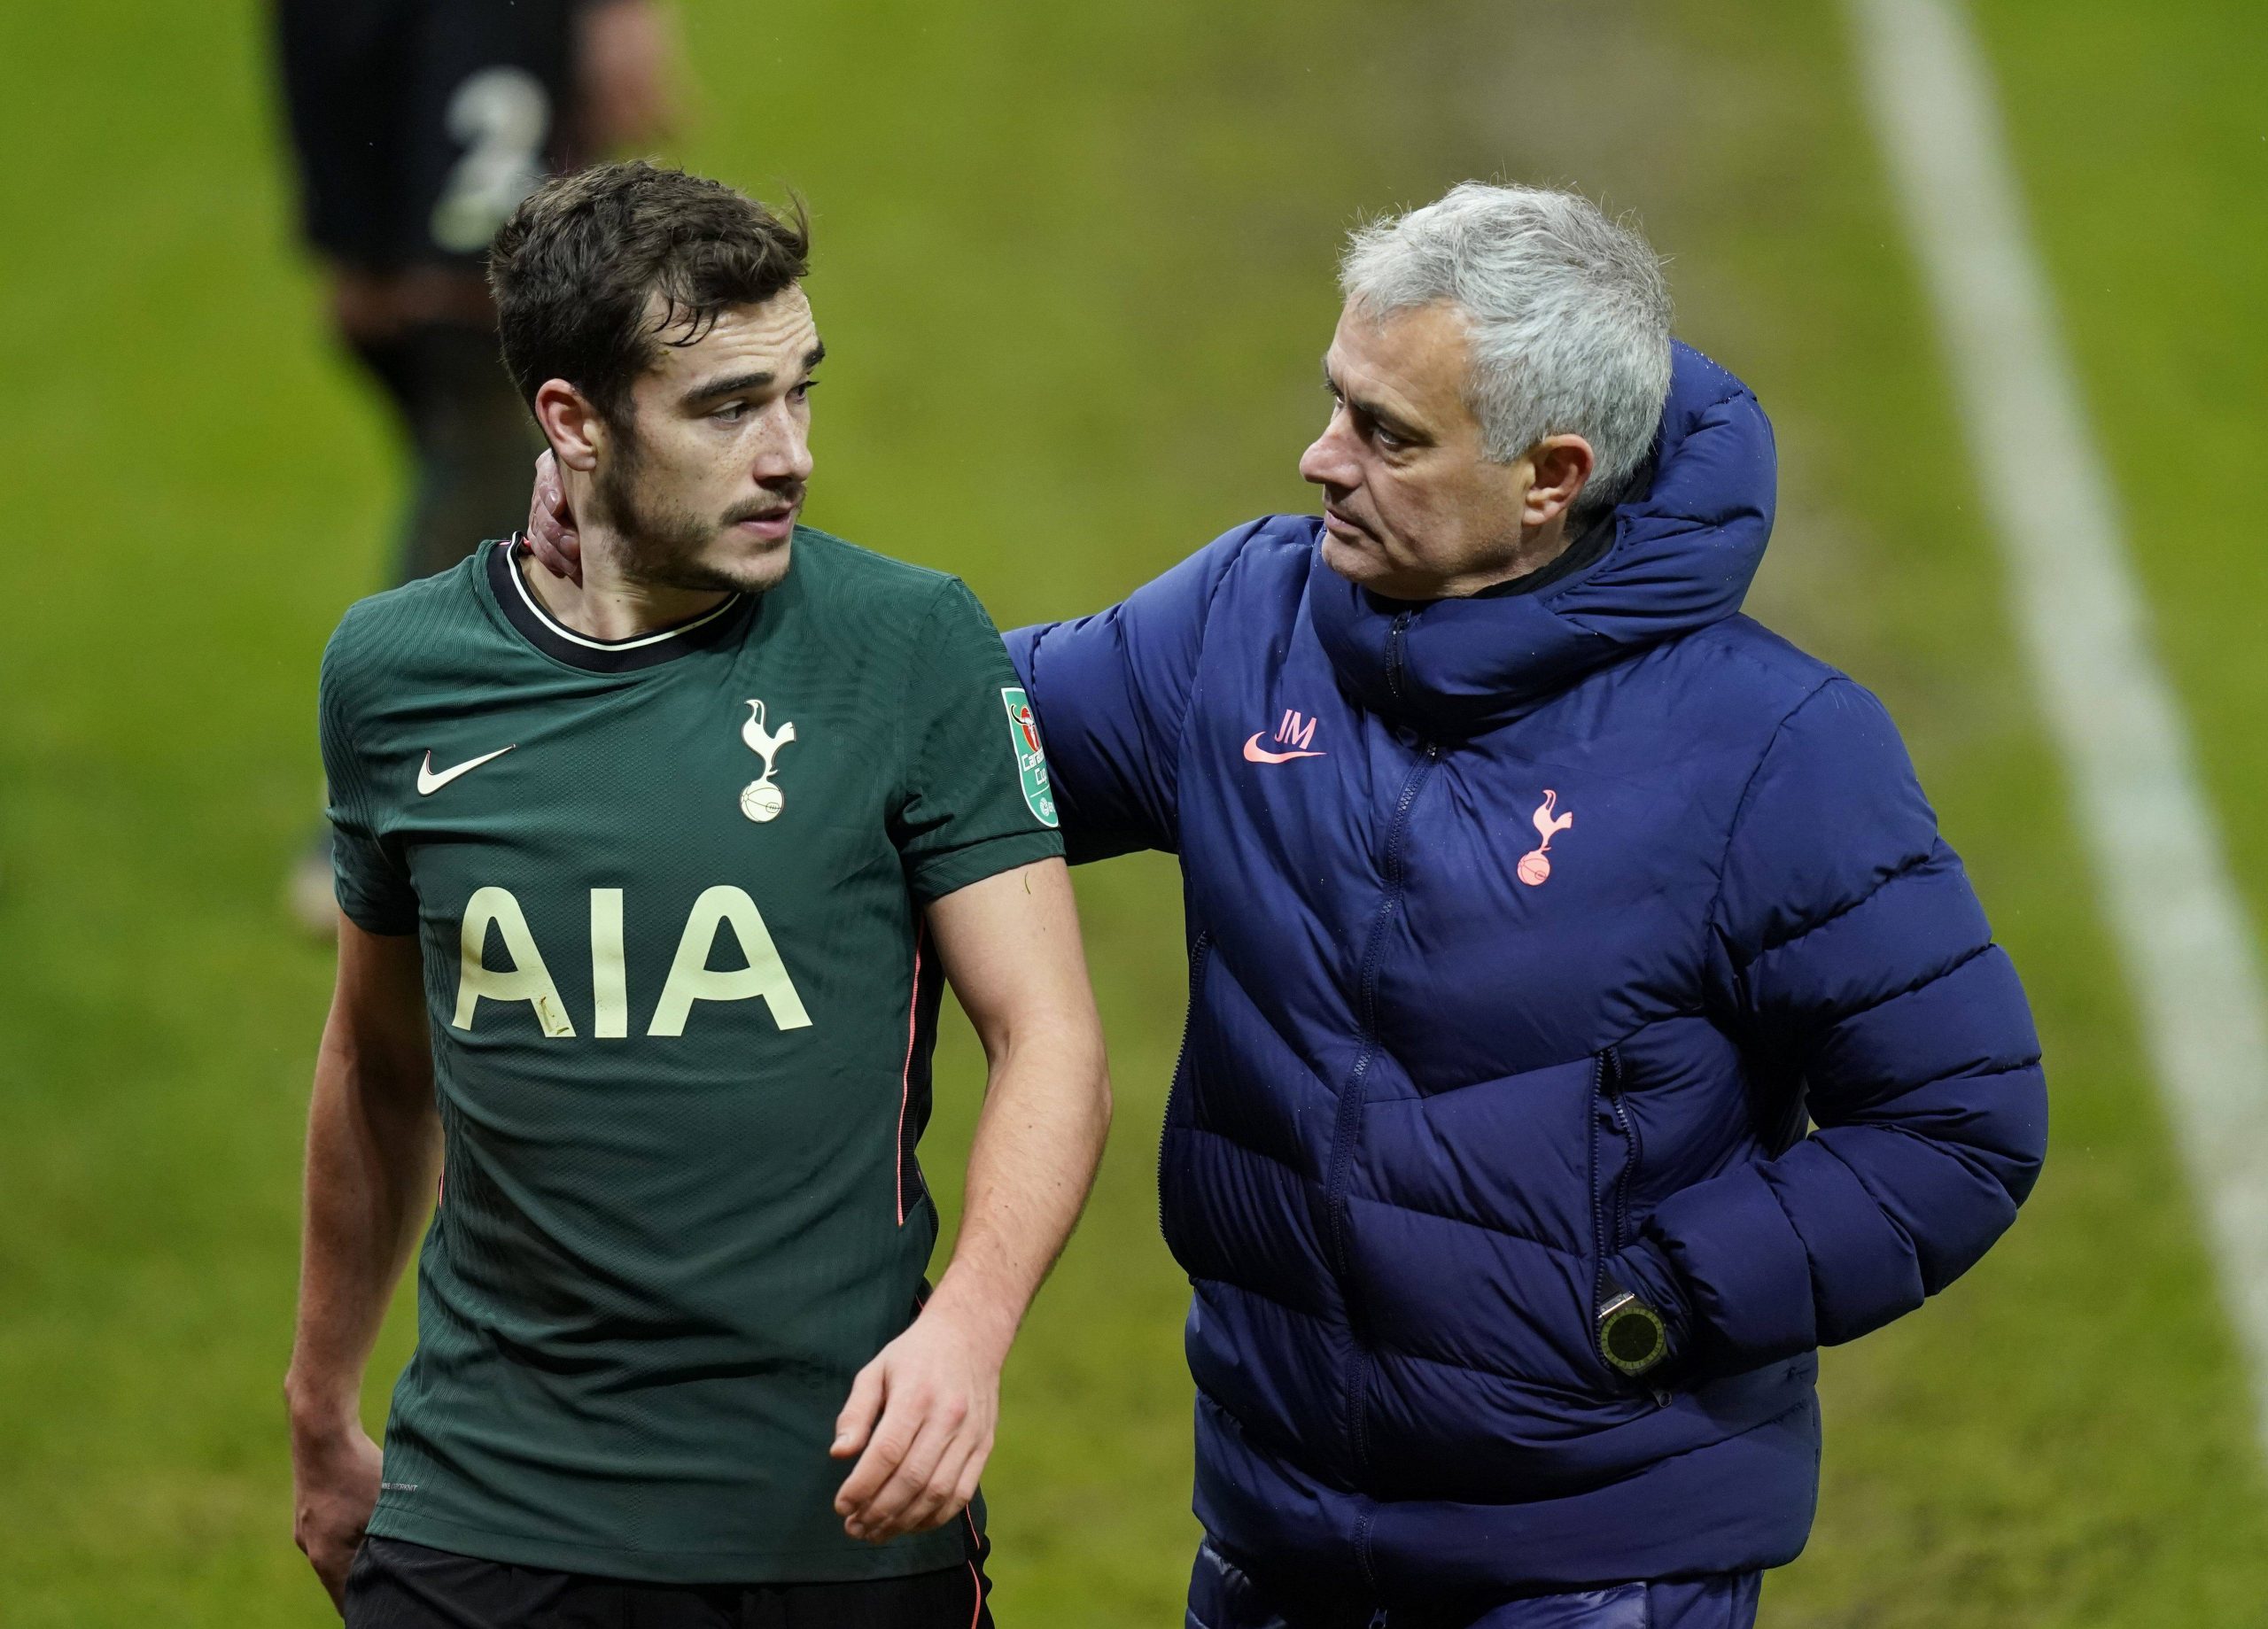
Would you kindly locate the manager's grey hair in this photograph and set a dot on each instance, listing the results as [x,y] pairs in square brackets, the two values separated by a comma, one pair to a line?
[1565,311]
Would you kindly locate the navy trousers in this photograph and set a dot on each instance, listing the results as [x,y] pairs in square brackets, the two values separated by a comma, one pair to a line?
[1223,1596]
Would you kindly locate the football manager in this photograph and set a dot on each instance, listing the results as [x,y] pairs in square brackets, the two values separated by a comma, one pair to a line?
[1586,1021]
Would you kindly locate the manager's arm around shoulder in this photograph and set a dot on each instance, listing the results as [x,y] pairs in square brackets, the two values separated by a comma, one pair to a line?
[1111,691]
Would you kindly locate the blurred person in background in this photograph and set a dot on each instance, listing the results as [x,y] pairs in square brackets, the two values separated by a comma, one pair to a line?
[416,127]
[1586,1021]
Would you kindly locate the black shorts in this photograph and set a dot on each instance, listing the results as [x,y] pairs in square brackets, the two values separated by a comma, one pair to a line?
[419,124]
[400,1586]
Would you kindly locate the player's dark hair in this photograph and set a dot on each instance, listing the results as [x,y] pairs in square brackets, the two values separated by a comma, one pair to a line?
[577,269]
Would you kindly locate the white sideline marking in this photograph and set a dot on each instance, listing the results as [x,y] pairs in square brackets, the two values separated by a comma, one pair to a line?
[2187,948]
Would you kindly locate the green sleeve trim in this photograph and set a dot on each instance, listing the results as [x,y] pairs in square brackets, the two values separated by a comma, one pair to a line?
[370,917]
[949,874]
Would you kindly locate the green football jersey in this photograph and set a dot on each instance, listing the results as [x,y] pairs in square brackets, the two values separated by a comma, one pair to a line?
[668,895]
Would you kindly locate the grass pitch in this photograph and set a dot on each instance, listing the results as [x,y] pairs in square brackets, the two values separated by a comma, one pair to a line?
[1074,265]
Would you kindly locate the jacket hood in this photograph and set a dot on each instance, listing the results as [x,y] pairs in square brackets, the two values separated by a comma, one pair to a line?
[1682,557]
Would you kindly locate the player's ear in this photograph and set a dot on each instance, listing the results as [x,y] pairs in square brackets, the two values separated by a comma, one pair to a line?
[570,423]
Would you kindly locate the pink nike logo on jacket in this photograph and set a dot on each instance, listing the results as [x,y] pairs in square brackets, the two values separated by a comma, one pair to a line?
[1293,731]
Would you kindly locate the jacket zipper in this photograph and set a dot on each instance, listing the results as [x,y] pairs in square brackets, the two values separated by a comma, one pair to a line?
[1394,632]
[1608,1088]
[1609,1082]
[1198,952]
[1599,1200]
[1345,1130]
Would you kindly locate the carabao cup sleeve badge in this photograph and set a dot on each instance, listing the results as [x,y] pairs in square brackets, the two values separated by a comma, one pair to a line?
[1031,762]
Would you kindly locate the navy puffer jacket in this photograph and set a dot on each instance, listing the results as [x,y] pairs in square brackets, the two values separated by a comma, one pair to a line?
[1533,940]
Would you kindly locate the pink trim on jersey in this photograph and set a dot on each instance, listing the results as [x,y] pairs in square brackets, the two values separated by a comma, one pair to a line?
[976,1578]
[905,1076]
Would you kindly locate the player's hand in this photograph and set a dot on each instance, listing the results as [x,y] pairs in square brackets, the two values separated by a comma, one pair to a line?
[334,1488]
[552,537]
[919,1421]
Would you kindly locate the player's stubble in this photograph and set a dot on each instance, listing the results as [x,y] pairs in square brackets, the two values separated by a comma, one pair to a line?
[664,543]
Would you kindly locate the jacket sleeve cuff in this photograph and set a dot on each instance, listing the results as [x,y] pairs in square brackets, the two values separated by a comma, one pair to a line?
[1746,1276]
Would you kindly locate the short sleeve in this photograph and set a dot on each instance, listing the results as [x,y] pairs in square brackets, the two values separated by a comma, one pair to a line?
[371,876]
[975,799]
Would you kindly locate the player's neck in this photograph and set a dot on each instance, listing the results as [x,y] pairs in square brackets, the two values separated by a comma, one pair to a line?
[606,604]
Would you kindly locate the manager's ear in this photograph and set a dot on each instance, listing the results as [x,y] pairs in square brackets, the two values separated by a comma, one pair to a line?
[1563,465]
[577,432]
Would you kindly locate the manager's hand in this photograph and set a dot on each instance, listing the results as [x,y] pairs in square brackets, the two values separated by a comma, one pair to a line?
[551,534]
[334,1488]
[919,1420]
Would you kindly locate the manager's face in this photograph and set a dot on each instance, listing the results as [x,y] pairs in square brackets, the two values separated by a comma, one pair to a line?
[1413,509]
[702,475]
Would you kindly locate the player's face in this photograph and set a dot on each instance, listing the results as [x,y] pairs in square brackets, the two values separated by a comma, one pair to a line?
[703,480]
[1413,508]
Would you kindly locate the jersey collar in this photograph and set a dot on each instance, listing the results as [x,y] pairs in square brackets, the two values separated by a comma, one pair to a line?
[562,643]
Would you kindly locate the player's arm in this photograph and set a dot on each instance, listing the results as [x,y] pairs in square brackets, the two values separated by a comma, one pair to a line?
[372,1153]
[920,1417]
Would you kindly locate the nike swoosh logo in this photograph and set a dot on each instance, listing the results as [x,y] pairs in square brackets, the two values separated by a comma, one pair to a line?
[1258,754]
[428,783]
